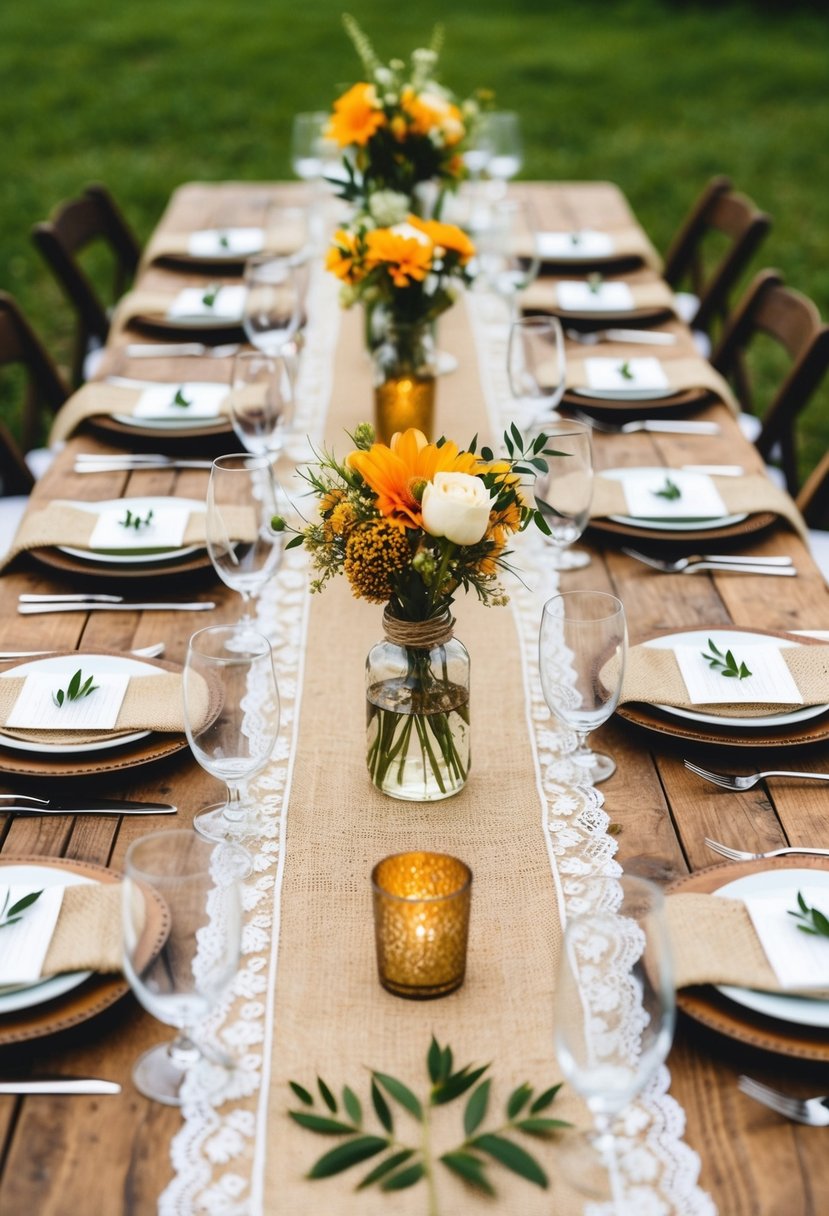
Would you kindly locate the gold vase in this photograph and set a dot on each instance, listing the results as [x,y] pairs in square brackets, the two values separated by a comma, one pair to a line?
[404,379]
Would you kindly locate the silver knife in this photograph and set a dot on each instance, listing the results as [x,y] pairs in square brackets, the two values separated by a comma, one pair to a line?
[27,804]
[672,426]
[89,606]
[645,337]
[127,466]
[60,1085]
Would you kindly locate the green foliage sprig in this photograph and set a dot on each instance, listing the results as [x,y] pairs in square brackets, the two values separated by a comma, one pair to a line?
[625,371]
[134,520]
[210,295]
[812,920]
[726,664]
[76,689]
[11,915]
[670,490]
[403,1165]
[181,400]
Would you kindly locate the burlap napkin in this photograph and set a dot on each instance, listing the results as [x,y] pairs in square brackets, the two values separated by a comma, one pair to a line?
[541,296]
[62,523]
[87,936]
[281,241]
[713,941]
[752,494]
[681,374]
[628,243]
[98,397]
[652,676]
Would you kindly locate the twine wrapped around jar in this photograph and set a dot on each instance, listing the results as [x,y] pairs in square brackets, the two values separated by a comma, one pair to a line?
[437,631]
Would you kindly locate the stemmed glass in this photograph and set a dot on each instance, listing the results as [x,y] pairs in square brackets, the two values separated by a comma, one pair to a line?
[313,155]
[235,742]
[581,650]
[196,883]
[502,132]
[563,493]
[242,545]
[614,1017]
[261,401]
[508,249]
[536,366]
[272,307]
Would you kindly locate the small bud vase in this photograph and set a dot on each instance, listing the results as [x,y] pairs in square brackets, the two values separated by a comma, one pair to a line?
[404,379]
[417,728]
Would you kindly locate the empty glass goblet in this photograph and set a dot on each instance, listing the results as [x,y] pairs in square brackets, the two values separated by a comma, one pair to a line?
[614,1017]
[235,741]
[502,132]
[536,367]
[563,493]
[581,650]
[508,249]
[261,402]
[271,311]
[195,884]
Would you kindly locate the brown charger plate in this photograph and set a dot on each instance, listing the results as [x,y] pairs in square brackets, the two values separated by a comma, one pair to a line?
[113,430]
[66,563]
[610,529]
[813,730]
[688,399]
[211,335]
[155,746]
[717,1012]
[99,991]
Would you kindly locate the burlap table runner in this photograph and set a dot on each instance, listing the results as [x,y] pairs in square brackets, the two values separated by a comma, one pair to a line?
[628,243]
[652,675]
[281,241]
[751,494]
[714,941]
[542,295]
[87,936]
[61,523]
[97,397]
[332,1018]
[681,374]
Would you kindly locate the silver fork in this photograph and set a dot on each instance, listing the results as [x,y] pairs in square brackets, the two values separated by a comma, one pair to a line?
[703,561]
[172,350]
[728,782]
[661,426]
[643,337]
[813,1111]
[725,850]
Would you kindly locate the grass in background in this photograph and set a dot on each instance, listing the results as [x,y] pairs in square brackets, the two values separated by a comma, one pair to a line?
[653,95]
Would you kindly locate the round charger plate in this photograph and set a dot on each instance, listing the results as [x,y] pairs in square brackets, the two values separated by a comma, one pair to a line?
[672,526]
[114,430]
[710,1008]
[97,992]
[679,402]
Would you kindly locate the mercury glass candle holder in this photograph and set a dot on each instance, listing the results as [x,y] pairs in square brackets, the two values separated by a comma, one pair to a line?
[421,923]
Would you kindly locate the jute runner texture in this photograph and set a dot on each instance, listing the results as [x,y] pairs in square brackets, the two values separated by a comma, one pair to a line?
[332,1018]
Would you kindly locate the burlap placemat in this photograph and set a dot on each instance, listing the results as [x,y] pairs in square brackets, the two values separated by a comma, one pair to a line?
[87,936]
[714,941]
[97,397]
[751,494]
[681,374]
[61,523]
[542,294]
[652,675]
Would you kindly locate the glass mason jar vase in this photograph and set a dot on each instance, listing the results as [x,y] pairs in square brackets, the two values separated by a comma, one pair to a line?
[417,719]
[404,379]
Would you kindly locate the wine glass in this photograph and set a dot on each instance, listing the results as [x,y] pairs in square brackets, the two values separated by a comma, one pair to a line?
[502,132]
[508,249]
[236,740]
[313,155]
[271,311]
[194,883]
[242,545]
[582,647]
[261,401]
[536,366]
[614,1017]
[563,493]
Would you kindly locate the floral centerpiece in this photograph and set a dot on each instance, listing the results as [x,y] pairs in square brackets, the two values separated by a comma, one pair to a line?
[410,524]
[404,270]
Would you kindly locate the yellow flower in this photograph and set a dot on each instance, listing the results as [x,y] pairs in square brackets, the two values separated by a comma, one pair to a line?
[344,258]
[447,237]
[408,259]
[429,112]
[374,553]
[396,471]
[341,519]
[357,116]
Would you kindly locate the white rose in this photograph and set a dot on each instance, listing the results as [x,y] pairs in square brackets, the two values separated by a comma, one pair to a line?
[457,506]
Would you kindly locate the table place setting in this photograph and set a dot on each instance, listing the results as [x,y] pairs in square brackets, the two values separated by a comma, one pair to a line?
[604,300]
[597,249]
[174,406]
[214,307]
[628,382]
[225,247]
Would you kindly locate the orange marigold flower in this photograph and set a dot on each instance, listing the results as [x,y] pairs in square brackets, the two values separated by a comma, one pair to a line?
[428,112]
[357,116]
[374,553]
[407,258]
[394,472]
[446,236]
[343,257]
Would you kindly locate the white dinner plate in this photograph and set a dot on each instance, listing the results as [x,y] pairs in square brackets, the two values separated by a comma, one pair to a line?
[24,996]
[171,424]
[804,1011]
[624,394]
[134,557]
[667,525]
[67,664]
[732,639]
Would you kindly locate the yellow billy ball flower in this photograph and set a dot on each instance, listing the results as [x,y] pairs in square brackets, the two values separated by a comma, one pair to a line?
[374,553]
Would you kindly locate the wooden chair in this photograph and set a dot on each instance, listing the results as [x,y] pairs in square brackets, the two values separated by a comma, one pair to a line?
[91,219]
[45,388]
[712,248]
[813,501]
[793,324]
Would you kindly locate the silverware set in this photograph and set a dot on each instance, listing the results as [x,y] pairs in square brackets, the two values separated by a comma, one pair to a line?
[726,851]
[87,462]
[657,426]
[30,605]
[142,652]
[60,1085]
[174,350]
[27,804]
[638,337]
[720,562]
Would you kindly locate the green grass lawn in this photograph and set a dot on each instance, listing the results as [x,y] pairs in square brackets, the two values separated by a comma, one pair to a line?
[654,95]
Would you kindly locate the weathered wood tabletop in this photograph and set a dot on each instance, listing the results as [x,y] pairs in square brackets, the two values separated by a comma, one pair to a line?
[110,1155]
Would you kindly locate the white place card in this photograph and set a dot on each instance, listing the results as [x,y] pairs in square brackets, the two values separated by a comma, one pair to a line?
[645,491]
[578,296]
[799,960]
[203,400]
[628,375]
[770,681]
[26,943]
[225,242]
[581,243]
[35,707]
[165,529]
[228,303]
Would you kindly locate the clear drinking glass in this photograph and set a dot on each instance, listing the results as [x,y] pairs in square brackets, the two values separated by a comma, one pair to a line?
[312,153]
[242,545]
[563,494]
[508,250]
[614,1017]
[261,402]
[537,367]
[502,132]
[234,742]
[272,307]
[195,883]
[581,650]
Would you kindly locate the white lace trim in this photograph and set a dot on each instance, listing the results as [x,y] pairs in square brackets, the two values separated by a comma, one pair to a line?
[218,1155]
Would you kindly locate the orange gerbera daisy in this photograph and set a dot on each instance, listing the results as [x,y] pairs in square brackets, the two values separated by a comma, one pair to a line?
[343,257]
[446,236]
[408,259]
[398,472]
[357,115]
[428,112]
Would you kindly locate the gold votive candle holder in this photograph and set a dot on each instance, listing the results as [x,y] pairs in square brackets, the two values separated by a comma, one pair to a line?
[421,922]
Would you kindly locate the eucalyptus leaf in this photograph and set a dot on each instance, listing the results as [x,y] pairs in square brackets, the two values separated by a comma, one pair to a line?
[352,1105]
[301,1093]
[518,1099]
[327,1096]
[434,1057]
[470,1168]
[401,1093]
[475,1111]
[406,1178]
[345,1155]
[321,1124]
[513,1157]
[546,1099]
[457,1084]
[25,902]
[536,1126]
[381,1107]
[385,1167]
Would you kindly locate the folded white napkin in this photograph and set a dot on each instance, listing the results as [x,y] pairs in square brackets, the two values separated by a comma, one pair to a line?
[771,680]
[192,399]
[579,244]
[628,375]
[227,303]
[25,943]
[579,296]
[225,242]
[646,495]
